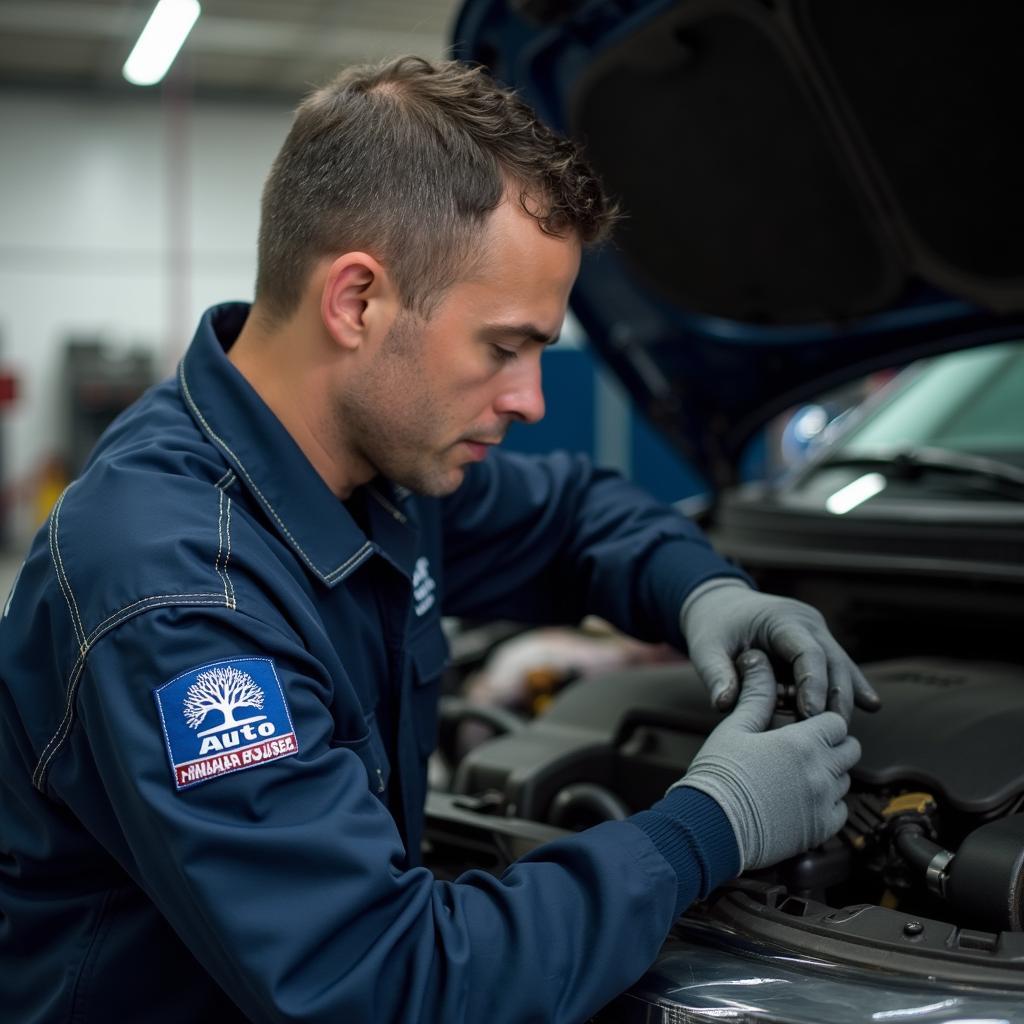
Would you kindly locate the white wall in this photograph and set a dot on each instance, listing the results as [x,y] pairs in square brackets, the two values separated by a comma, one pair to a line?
[95,197]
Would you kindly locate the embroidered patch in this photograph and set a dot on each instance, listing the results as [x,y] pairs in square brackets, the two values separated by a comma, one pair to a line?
[224,717]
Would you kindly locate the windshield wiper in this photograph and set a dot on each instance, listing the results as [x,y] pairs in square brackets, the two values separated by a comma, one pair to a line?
[908,462]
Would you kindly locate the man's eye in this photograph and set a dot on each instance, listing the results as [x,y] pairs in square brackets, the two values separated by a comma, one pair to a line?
[504,355]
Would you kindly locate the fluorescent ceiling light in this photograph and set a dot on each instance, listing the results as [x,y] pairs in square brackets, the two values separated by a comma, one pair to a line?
[161,39]
[852,495]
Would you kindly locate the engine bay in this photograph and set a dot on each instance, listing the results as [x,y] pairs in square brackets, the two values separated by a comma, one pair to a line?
[929,865]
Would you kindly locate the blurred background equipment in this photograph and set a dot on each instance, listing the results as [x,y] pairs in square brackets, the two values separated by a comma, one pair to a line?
[98,383]
[8,396]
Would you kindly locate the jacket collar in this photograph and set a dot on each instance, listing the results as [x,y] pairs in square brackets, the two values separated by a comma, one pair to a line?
[301,507]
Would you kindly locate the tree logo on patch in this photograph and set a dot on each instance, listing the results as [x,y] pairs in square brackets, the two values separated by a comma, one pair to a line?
[222,689]
[223,697]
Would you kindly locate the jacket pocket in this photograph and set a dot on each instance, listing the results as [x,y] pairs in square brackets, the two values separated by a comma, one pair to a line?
[370,750]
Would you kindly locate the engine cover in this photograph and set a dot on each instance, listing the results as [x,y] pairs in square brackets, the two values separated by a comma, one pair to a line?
[952,727]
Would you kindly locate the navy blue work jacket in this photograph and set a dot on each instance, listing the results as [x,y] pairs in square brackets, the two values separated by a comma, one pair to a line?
[218,693]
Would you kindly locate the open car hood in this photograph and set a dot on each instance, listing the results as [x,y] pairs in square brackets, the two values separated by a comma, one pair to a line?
[813,189]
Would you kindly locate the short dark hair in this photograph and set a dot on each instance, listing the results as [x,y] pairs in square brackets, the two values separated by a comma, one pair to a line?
[405,160]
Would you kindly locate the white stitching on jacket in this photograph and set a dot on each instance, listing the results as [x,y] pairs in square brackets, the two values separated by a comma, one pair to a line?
[157,601]
[400,516]
[350,563]
[143,604]
[252,483]
[224,535]
[62,577]
[91,638]
[230,591]
[326,577]
[220,542]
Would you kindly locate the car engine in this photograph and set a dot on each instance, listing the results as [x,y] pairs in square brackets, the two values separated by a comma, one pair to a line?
[931,860]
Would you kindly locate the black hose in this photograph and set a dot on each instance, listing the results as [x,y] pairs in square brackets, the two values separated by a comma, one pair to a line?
[915,848]
[582,804]
[456,710]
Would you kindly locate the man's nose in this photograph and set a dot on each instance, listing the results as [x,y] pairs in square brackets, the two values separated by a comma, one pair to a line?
[523,396]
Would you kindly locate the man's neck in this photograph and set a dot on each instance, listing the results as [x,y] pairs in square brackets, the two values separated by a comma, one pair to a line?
[287,365]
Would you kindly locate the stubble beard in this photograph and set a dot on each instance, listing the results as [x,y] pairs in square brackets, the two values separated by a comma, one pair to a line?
[387,420]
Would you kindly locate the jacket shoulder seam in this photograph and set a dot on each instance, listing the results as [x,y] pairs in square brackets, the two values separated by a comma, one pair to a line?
[224,547]
[127,612]
[61,572]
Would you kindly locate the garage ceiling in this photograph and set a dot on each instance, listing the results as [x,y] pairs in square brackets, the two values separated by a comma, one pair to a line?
[254,48]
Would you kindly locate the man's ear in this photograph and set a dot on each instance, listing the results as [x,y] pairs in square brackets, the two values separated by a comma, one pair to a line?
[358,302]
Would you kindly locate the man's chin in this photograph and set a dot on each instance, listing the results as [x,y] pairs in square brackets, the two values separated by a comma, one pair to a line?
[435,485]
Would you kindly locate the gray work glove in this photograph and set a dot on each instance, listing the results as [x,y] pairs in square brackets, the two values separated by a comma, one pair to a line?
[723,618]
[782,790]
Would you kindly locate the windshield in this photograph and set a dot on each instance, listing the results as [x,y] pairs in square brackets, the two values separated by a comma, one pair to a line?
[970,402]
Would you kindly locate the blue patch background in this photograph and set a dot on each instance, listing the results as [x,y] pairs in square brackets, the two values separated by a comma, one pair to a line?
[183,742]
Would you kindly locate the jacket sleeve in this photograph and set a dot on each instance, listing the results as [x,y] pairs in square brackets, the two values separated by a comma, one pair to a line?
[285,881]
[552,539]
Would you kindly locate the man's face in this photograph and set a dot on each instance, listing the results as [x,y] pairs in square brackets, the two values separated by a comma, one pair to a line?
[438,392]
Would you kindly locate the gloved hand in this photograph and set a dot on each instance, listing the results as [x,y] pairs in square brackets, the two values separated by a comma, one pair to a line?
[724,617]
[782,790]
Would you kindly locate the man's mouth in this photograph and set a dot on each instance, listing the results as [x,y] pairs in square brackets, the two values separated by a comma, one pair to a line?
[477,449]
[478,446]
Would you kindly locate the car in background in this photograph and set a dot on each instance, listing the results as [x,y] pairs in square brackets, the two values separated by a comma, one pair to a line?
[817,193]
[905,523]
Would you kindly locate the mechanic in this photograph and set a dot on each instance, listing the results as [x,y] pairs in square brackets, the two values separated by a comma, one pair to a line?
[220,661]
